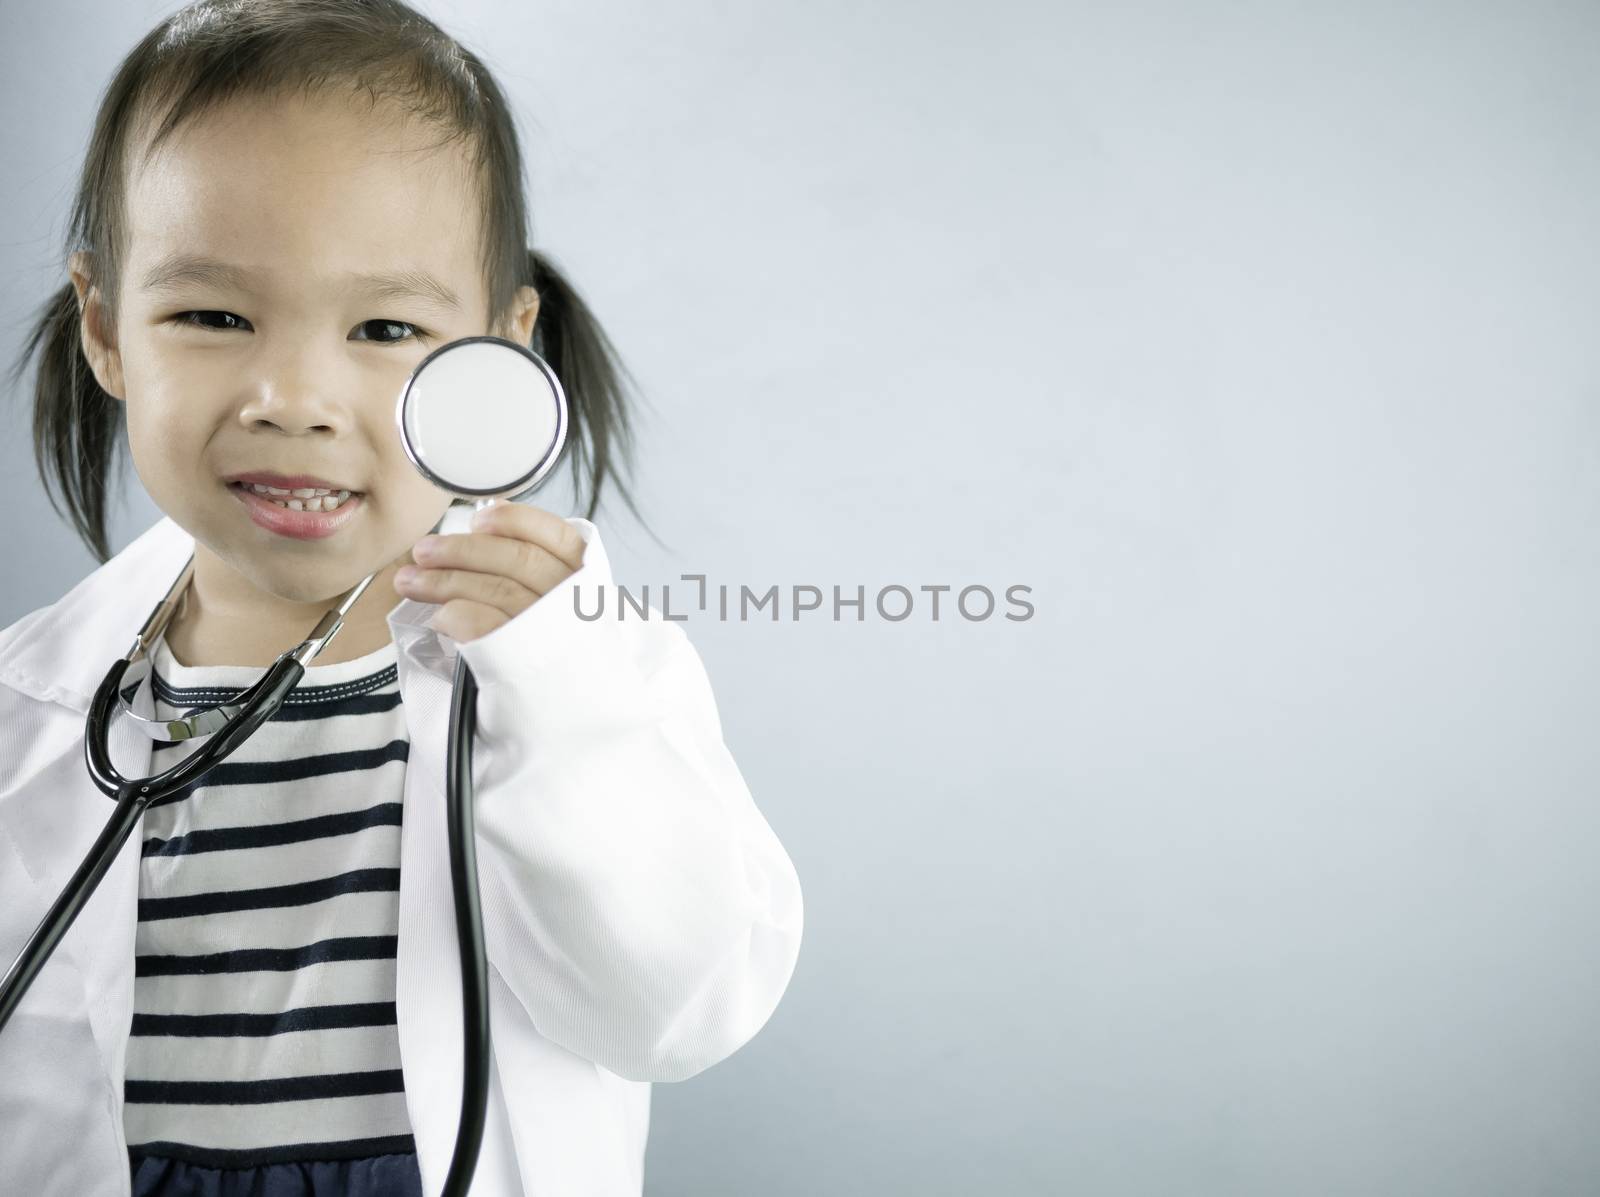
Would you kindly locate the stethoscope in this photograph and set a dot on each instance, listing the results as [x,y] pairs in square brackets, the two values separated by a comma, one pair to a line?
[456,395]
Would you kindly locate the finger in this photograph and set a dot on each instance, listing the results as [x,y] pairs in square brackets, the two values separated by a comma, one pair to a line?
[532,565]
[536,526]
[463,620]
[504,594]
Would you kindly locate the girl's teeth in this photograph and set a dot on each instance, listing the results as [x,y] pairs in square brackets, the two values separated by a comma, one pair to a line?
[306,499]
[304,493]
[318,502]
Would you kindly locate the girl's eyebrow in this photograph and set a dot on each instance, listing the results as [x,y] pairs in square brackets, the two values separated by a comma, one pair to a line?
[178,269]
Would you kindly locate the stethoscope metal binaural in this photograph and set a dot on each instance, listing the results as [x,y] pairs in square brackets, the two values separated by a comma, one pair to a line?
[454,394]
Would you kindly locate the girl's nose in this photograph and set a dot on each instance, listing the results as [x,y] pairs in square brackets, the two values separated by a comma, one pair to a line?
[297,392]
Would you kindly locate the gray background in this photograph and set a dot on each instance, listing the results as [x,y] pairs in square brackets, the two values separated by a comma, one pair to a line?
[1259,340]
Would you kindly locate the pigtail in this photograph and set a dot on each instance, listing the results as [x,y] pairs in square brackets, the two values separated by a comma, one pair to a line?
[567,335]
[76,425]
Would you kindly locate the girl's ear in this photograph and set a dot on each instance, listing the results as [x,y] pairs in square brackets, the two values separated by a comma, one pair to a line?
[104,357]
[524,312]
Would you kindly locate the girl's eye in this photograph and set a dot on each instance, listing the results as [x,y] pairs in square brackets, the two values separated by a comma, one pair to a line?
[193,319]
[384,332]
[390,332]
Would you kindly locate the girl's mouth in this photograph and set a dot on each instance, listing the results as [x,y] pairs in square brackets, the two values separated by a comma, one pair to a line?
[278,513]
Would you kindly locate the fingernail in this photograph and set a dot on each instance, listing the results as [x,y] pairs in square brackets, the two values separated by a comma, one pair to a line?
[405,575]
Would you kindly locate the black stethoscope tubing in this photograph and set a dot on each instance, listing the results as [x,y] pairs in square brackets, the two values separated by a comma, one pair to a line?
[255,706]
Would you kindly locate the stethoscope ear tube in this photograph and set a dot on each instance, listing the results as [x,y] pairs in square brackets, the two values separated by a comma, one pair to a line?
[67,904]
[257,704]
[132,797]
[261,702]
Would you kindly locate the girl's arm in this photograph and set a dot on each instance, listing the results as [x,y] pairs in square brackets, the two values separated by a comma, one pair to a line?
[634,898]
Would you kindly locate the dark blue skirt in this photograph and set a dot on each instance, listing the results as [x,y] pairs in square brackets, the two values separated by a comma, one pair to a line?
[393,1175]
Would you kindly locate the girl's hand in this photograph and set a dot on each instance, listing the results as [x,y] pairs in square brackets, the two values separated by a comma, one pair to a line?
[514,555]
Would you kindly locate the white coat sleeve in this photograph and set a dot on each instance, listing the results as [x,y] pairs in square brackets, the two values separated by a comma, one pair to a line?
[634,898]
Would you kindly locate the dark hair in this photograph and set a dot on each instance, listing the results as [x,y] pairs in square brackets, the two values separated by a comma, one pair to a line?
[215,50]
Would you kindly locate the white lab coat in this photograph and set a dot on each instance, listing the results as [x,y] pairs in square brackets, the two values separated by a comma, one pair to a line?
[641,918]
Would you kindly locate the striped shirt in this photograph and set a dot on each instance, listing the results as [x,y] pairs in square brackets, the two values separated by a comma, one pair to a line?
[264,994]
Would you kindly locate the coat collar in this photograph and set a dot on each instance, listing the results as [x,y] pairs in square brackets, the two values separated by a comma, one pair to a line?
[60,653]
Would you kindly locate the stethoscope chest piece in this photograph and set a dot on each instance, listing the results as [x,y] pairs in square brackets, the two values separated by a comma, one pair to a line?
[483,417]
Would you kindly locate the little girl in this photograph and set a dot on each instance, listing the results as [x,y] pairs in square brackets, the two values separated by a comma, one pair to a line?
[286,204]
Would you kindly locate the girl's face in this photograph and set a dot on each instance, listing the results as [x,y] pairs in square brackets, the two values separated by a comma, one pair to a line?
[287,263]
